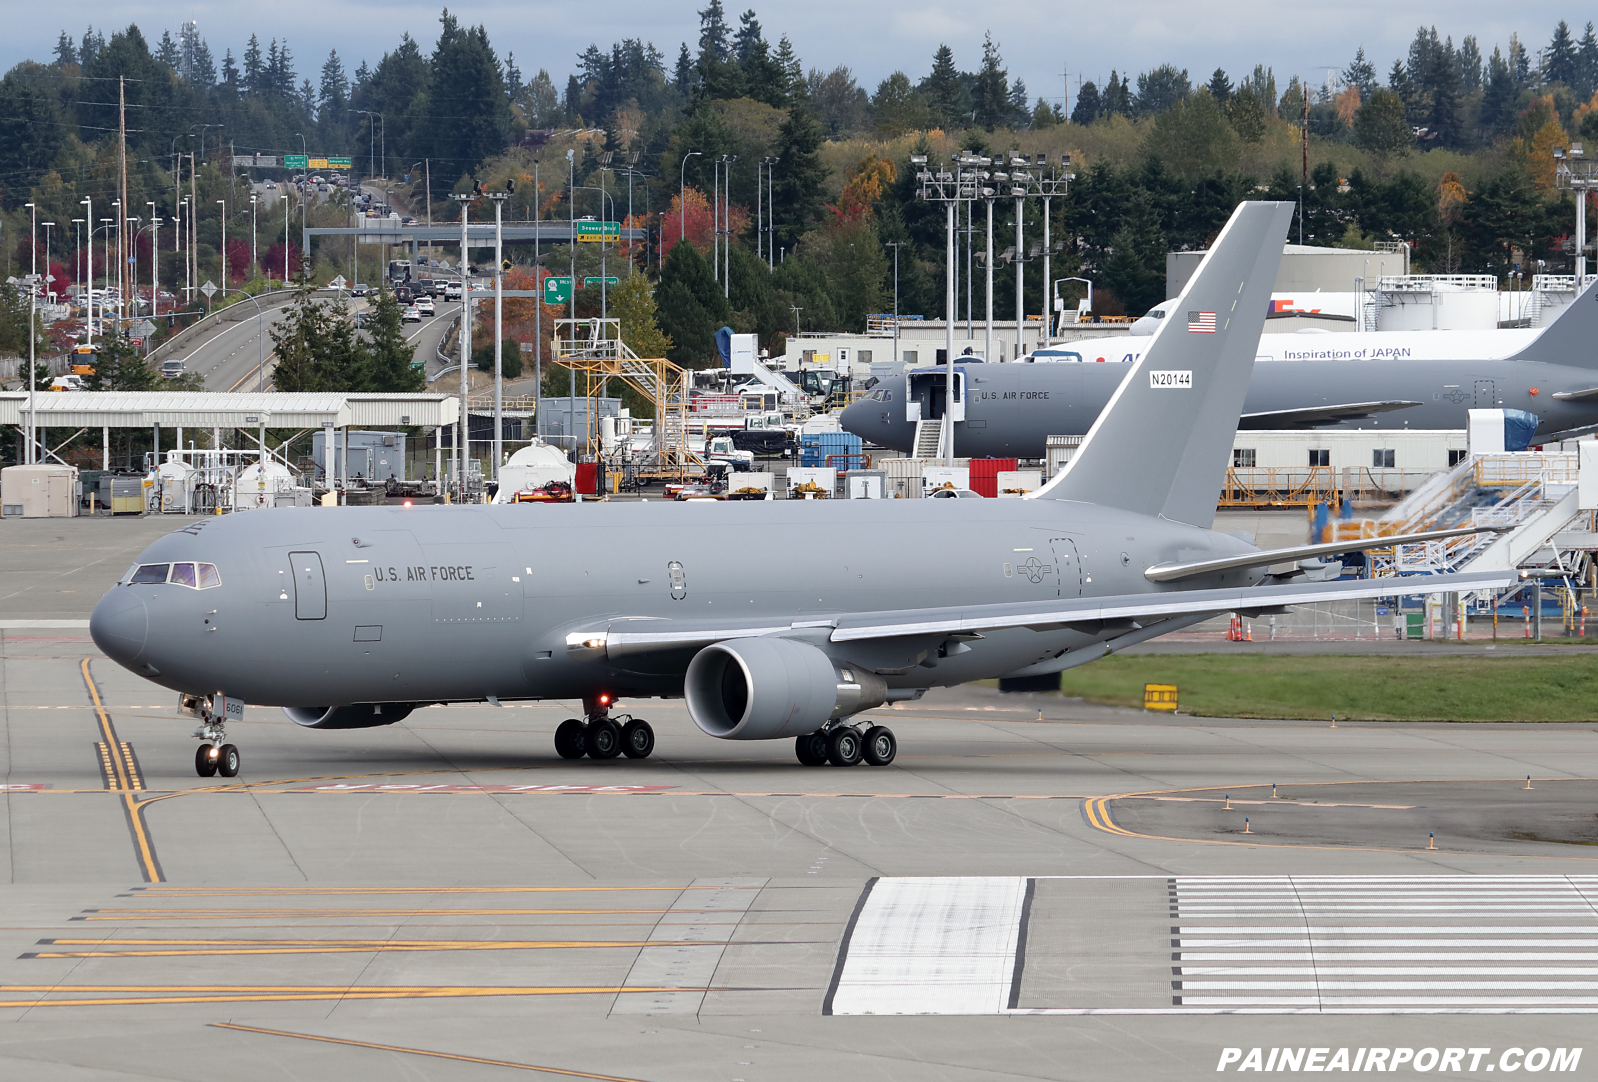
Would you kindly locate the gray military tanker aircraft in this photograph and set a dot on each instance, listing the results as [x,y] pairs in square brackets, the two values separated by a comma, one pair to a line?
[1009,410]
[355,617]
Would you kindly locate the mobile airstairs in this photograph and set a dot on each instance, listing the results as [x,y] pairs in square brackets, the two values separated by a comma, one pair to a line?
[1535,497]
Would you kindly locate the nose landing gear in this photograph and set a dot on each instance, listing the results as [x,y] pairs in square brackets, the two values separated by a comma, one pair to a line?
[214,755]
[600,736]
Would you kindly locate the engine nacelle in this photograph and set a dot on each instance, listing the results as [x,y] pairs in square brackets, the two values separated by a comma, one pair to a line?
[356,716]
[768,688]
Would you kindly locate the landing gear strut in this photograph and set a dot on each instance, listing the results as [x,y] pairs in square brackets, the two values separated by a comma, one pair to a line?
[846,745]
[600,736]
[214,755]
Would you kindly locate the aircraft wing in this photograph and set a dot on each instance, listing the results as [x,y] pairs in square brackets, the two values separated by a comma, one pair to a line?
[1577,396]
[1315,416]
[1267,557]
[622,637]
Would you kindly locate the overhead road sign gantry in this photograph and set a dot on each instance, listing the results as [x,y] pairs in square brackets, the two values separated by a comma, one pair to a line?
[598,232]
[296,161]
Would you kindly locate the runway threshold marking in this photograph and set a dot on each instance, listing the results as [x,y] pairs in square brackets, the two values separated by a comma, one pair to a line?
[513,1065]
[121,770]
[179,948]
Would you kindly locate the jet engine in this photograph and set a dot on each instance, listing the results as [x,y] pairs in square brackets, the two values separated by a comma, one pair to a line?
[767,688]
[357,716]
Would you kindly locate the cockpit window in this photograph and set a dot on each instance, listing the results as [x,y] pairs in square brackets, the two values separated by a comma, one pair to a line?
[194,576]
[183,575]
[149,573]
[208,576]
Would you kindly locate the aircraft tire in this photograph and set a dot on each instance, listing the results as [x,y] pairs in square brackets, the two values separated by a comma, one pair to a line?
[204,765]
[227,763]
[879,746]
[811,748]
[570,739]
[603,739]
[844,746]
[637,739]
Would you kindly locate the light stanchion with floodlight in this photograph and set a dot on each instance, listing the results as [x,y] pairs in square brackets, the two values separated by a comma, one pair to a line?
[1576,172]
[949,188]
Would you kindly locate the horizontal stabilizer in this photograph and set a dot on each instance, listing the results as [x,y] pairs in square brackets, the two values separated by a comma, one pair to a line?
[1267,557]
[1577,396]
[1315,416]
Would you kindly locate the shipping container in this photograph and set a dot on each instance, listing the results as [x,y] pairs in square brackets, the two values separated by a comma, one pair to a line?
[985,474]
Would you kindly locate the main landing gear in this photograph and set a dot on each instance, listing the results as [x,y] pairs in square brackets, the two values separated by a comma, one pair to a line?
[846,745]
[602,737]
[214,755]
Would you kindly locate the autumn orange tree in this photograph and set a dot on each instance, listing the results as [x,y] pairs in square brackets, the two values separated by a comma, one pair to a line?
[690,214]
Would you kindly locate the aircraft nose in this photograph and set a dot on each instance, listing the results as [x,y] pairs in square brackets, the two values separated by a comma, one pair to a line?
[120,625]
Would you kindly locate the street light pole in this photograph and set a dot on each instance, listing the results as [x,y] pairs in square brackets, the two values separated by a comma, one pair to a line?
[499,330]
[895,245]
[463,431]
[682,200]
[223,204]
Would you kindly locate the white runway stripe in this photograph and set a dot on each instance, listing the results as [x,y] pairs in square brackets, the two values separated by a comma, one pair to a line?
[1448,910]
[931,946]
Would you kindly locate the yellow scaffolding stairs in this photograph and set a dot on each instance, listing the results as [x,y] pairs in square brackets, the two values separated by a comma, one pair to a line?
[593,348]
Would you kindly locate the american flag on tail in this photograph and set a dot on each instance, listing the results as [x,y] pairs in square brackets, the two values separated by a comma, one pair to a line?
[1201,323]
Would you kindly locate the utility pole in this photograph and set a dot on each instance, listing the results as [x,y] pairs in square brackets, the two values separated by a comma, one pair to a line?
[122,184]
[571,385]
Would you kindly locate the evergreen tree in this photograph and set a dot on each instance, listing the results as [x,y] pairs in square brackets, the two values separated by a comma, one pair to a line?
[796,190]
[713,34]
[946,97]
[1117,96]
[791,71]
[166,51]
[1519,62]
[230,71]
[254,70]
[1380,126]
[1498,96]
[1135,269]
[990,97]
[1586,83]
[1087,104]
[1361,73]
[1160,89]
[1559,63]
[1220,87]
[1020,112]
[65,51]
[1470,64]
[468,76]
[513,77]
[118,367]
[93,41]
[691,307]
[683,78]
[335,91]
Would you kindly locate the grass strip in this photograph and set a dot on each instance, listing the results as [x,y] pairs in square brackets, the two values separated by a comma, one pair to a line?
[1358,688]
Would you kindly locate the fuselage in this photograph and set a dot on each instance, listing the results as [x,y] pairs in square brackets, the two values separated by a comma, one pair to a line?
[430,604]
[1011,409]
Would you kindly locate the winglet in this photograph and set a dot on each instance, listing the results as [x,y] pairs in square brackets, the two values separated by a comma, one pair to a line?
[1160,446]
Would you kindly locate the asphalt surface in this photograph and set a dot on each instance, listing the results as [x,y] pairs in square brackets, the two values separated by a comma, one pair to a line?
[1055,890]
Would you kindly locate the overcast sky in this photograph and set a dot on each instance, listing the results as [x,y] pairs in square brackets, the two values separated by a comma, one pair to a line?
[1037,40]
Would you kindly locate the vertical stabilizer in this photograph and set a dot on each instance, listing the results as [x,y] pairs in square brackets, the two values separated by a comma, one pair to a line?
[1160,446]
[1572,338]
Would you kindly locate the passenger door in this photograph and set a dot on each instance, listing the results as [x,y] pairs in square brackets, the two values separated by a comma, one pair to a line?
[310,586]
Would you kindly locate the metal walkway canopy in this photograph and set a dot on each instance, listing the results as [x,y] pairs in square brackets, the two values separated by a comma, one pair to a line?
[209,409]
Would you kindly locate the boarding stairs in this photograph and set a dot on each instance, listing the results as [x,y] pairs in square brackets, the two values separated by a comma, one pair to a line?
[929,439]
[1534,493]
[594,347]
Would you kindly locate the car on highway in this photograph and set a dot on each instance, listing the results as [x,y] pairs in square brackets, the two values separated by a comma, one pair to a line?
[271,185]
[172,369]
[452,291]
[424,305]
[412,315]
[360,289]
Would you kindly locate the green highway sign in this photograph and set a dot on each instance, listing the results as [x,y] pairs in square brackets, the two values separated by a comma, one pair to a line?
[296,161]
[595,281]
[598,232]
[557,290]
[338,163]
